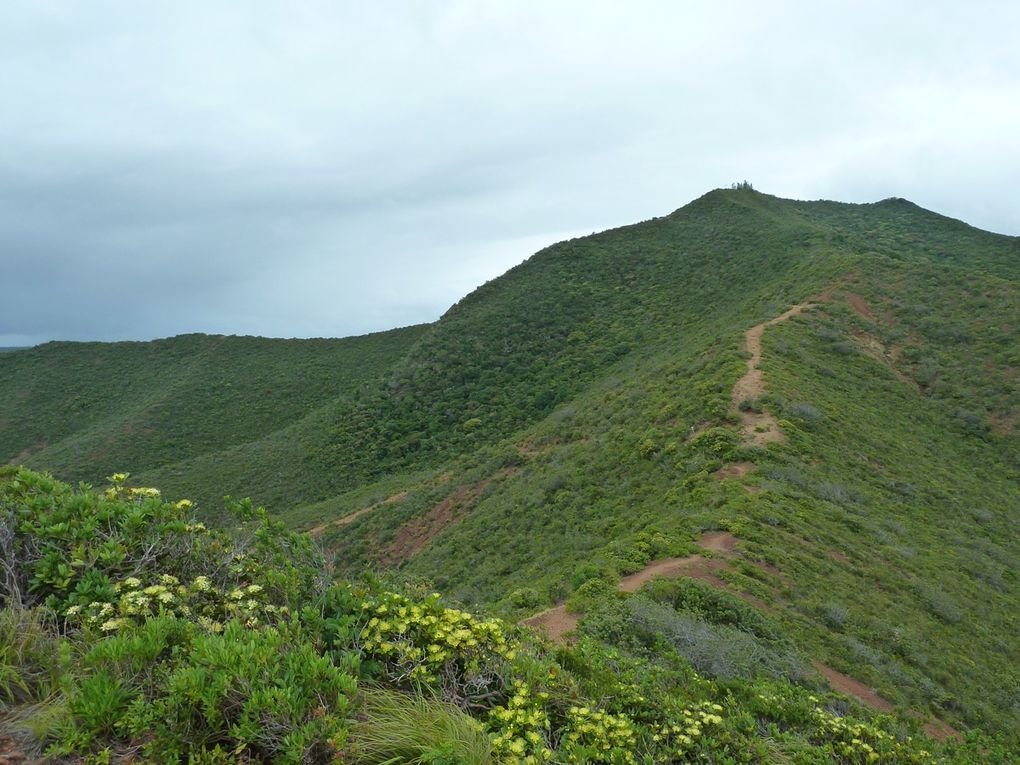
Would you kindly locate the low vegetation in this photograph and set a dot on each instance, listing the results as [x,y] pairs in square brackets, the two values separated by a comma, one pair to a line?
[132,633]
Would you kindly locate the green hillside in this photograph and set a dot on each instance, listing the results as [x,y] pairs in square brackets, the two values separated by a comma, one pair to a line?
[592,410]
[86,409]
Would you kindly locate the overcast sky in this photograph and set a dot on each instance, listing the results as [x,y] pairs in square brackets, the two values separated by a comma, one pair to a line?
[333,168]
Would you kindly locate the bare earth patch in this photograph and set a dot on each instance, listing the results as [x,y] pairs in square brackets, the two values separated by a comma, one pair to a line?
[556,623]
[417,533]
[414,535]
[718,541]
[24,454]
[693,566]
[1005,426]
[873,347]
[937,729]
[860,305]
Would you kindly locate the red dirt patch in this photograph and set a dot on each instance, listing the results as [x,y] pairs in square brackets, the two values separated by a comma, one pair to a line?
[872,346]
[940,730]
[415,534]
[735,470]
[860,305]
[24,454]
[418,532]
[557,623]
[1005,426]
[693,566]
[849,686]
[937,729]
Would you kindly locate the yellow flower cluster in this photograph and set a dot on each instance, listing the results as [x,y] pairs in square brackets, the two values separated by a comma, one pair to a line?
[692,722]
[419,639]
[603,737]
[118,490]
[863,744]
[209,605]
[518,728]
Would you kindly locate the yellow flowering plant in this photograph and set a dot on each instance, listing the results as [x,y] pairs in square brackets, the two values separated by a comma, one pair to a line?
[424,641]
[200,601]
[596,736]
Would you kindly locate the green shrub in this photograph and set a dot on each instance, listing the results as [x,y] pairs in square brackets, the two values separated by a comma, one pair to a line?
[718,442]
[187,694]
[589,593]
[105,558]
[712,605]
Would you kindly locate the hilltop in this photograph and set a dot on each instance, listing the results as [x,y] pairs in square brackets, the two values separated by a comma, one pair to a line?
[833,386]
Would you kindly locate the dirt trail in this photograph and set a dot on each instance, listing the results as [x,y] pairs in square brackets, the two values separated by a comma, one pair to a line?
[317,531]
[849,686]
[693,566]
[936,728]
[759,428]
[557,623]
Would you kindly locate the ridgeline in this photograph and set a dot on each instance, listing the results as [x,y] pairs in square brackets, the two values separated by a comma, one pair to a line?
[804,415]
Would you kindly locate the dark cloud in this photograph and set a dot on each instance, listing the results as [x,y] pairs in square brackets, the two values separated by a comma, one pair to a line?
[315,169]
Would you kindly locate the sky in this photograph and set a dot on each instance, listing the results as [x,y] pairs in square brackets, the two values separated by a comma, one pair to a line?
[323,169]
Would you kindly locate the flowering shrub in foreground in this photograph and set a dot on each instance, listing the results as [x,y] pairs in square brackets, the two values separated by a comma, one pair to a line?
[425,641]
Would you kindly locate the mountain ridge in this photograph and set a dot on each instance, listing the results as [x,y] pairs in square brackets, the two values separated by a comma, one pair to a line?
[575,418]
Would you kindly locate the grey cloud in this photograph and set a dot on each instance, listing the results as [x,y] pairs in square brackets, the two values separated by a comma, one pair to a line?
[325,169]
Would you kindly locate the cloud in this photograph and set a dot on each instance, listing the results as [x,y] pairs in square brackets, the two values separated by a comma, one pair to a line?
[329,169]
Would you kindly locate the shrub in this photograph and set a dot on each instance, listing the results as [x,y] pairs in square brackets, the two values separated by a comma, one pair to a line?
[524,598]
[124,553]
[804,411]
[721,650]
[712,605]
[188,694]
[717,442]
[835,615]
[413,643]
[588,594]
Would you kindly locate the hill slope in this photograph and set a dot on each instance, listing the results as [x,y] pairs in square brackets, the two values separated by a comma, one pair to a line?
[85,409]
[592,410]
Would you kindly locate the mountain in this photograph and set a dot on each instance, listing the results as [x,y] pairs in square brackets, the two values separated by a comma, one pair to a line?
[594,409]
